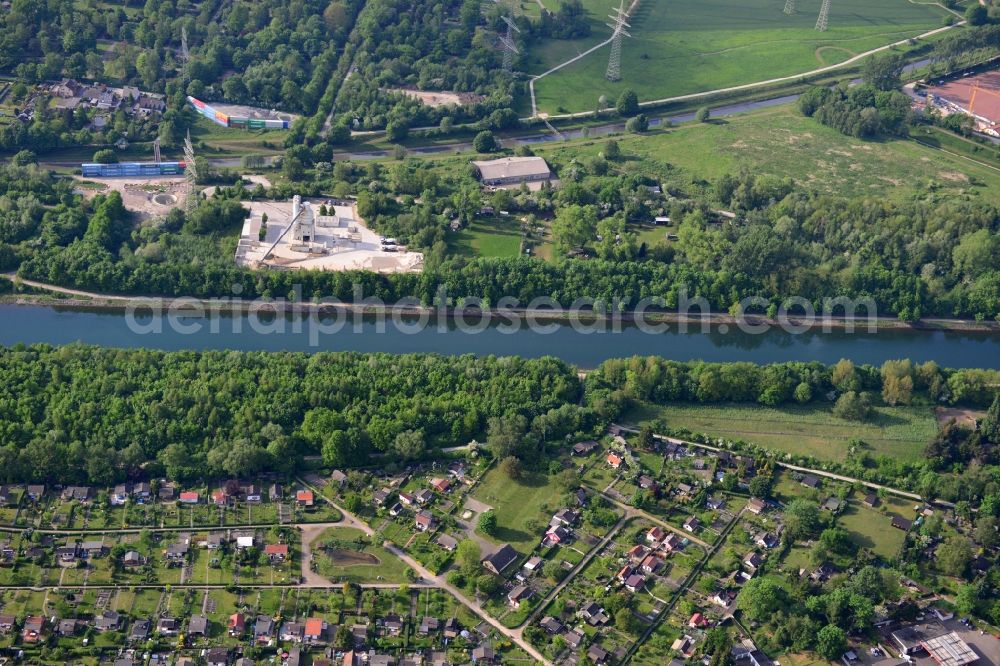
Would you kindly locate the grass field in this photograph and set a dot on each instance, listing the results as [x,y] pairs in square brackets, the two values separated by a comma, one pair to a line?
[872,528]
[900,432]
[686,46]
[515,502]
[493,237]
[367,563]
[781,142]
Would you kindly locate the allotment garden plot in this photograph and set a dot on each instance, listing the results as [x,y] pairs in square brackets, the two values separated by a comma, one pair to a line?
[687,46]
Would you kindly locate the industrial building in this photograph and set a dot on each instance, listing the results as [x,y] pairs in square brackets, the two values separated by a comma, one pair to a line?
[513,171]
[977,96]
[132,169]
[949,650]
[223,116]
[300,234]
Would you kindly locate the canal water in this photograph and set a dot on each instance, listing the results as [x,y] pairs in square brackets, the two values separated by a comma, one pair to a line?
[585,348]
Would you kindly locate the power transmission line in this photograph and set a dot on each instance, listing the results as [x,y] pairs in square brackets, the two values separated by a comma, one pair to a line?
[618,24]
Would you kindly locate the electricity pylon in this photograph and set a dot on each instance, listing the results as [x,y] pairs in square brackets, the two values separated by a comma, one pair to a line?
[618,24]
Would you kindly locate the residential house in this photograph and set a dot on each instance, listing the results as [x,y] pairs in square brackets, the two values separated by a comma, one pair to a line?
[517,595]
[188,497]
[139,631]
[396,509]
[133,559]
[698,621]
[380,496]
[276,552]
[557,535]
[237,624]
[574,638]
[809,481]
[81,494]
[252,494]
[566,517]
[647,482]
[767,540]
[597,654]
[217,656]
[672,543]
[501,559]
[635,582]
[7,621]
[275,492]
[304,498]
[407,499]
[756,506]
[315,630]
[5,495]
[108,620]
[692,524]
[67,627]
[69,551]
[425,521]
[655,535]
[452,628]
[142,492]
[580,495]
[508,171]
[245,540]
[263,629]
[424,496]
[34,626]
[92,549]
[428,625]
[651,564]
[449,543]
[391,625]
[551,625]
[753,560]
[584,448]
[533,564]
[219,497]
[483,654]
[167,492]
[440,485]
[35,492]
[338,478]
[725,597]
[871,500]
[198,626]
[177,552]
[614,460]
[291,632]
[715,503]
[167,626]
[832,504]
[682,644]
[215,540]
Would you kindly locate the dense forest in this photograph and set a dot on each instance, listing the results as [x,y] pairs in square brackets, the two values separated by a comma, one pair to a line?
[89,414]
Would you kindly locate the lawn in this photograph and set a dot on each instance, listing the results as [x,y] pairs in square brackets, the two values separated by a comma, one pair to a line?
[532,497]
[351,561]
[780,141]
[687,46]
[872,528]
[491,237]
[899,432]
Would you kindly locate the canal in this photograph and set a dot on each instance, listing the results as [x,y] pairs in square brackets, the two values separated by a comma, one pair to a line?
[586,348]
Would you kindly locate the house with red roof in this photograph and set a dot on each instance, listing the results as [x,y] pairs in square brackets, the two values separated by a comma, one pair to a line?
[315,630]
[189,497]
[614,461]
[237,624]
[304,498]
[276,552]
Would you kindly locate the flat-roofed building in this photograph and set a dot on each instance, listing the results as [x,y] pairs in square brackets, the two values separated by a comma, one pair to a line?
[949,650]
[513,171]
